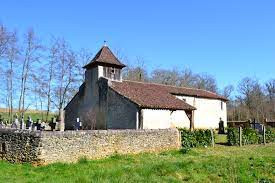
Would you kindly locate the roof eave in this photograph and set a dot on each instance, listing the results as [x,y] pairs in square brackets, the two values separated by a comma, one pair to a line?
[96,63]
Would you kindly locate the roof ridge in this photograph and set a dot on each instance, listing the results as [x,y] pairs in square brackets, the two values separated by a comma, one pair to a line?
[190,107]
[171,86]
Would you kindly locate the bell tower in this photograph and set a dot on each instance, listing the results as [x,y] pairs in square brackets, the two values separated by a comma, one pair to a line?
[105,64]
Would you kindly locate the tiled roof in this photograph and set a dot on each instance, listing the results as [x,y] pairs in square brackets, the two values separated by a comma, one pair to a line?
[104,57]
[149,95]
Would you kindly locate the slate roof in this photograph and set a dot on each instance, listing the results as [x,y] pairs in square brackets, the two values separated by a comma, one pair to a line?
[104,57]
[156,96]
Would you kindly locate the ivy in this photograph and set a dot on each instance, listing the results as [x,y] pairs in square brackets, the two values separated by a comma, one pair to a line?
[196,138]
[249,136]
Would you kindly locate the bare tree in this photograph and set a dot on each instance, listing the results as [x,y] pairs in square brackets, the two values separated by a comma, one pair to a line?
[206,82]
[252,97]
[49,75]
[227,91]
[137,72]
[12,56]
[167,77]
[30,57]
[66,75]
[4,40]
[270,89]
[84,56]
[38,90]
[187,78]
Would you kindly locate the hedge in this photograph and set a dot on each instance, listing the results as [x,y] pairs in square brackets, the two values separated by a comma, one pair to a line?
[249,136]
[196,138]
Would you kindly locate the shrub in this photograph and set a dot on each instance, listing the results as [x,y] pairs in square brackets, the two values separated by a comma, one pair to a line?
[233,136]
[249,136]
[270,135]
[196,138]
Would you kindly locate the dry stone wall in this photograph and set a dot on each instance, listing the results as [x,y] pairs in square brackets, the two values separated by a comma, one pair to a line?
[19,145]
[70,146]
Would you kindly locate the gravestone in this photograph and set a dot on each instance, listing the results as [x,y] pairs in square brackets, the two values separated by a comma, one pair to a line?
[22,123]
[52,124]
[2,125]
[78,124]
[1,119]
[14,125]
[221,126]
[43,124]
[29,123]
[38,124]
[34,127]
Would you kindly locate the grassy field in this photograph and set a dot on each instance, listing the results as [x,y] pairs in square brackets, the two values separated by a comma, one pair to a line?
[33,113]
[254,163]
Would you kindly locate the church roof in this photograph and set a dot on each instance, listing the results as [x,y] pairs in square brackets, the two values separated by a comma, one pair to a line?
[104,57]
[150,95]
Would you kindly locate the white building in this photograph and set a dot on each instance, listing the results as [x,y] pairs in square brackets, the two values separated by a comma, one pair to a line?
[105,101]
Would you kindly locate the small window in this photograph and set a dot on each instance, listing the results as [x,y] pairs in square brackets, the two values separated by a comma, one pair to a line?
[221,105]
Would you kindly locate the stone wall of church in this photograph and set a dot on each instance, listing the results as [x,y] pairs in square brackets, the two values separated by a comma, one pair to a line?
[69,146]
[122,114]
[71,113]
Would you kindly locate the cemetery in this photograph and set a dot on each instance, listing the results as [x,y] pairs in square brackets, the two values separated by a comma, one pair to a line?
[40,143]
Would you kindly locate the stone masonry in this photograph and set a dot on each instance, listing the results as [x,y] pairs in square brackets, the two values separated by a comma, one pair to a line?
[69,146]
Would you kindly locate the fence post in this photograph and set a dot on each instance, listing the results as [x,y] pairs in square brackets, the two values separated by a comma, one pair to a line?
[264,134]
[212,137]
[180,133]
[240,135]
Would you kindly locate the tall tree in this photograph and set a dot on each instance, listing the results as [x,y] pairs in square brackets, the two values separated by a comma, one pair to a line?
[66,75]
[252,96]
[12,56]
[30,57]
[137,72]
[84,56]
[187,78]
[227,91]
[4,40]
[206,82]
[270,89]
[167,77]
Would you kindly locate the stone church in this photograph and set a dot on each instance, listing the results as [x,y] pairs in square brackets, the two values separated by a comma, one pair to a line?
[106,101]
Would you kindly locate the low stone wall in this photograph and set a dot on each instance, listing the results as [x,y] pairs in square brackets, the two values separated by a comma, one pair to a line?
[70,146]
[19,145]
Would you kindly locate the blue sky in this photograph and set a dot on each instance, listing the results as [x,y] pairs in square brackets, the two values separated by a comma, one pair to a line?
[227,39]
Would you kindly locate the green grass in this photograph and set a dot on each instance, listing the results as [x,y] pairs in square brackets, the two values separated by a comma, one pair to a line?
[221,138]
[34,115]
[253,163]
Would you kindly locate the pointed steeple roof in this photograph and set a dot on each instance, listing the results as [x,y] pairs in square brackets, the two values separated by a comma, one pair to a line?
[104,57]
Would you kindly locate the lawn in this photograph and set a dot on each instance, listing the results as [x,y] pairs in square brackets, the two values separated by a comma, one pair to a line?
[33,114]
[253,163]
